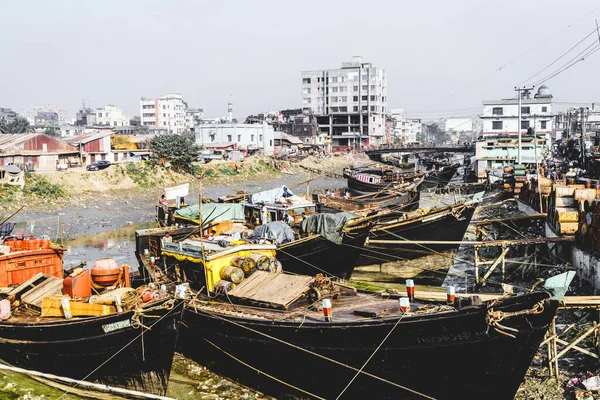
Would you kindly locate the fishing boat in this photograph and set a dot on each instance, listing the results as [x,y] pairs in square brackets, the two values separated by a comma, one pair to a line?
[446,224]
[308,242]
[310,337]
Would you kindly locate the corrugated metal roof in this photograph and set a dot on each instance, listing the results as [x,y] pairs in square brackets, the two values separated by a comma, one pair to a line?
[9,140]
[89,137]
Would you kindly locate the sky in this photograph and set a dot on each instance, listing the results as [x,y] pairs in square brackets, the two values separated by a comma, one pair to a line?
[443,58]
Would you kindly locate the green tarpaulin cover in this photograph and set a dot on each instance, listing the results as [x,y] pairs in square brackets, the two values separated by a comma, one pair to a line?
[213,212]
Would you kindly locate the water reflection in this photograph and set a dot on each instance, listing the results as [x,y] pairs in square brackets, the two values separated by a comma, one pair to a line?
[118,245]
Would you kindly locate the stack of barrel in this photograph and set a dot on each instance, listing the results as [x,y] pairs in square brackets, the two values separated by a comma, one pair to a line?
[563,209]
[520,177]
[509,179]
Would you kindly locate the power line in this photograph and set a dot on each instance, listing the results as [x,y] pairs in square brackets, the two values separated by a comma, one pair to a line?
[512,60]
[560,57]
[578,58]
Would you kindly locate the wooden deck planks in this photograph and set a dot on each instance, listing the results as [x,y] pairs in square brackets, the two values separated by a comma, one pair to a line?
[278,289]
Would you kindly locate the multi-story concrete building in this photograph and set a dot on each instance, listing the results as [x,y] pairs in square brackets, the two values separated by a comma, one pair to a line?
[61,113]
[193,116]
[86,116]
[111,115]
[350,102]
[405,130]
[8,115]
[165,112]
[46,119]
[497,144]
[249,137]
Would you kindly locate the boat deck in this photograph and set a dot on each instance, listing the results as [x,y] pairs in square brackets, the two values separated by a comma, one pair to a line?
[344,309]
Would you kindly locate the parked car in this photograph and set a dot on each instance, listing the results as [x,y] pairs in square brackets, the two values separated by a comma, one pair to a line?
[98,165]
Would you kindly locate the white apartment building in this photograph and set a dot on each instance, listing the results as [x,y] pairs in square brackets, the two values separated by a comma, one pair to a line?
[498,143]
[111,115]
[166,112]
[247,136]
[405,130]
[501,116]
[350,102]
[32,112]
[193,116]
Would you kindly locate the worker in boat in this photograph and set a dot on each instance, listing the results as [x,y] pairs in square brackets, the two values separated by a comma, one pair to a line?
[289,219]
[163,202]
[264,214]
[167,238]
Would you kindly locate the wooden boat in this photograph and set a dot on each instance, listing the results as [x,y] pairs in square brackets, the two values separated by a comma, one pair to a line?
[442,224]
[311,252]
[114,349]
[339,200]
[377,179]
[332,247]
[277,341]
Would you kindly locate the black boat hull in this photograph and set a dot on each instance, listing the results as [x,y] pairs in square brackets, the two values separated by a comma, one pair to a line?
[311,256]
[445,356]
[82,349]
[440,178]
[445,227]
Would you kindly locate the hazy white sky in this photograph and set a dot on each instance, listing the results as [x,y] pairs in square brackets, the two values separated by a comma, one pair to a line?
[60,52]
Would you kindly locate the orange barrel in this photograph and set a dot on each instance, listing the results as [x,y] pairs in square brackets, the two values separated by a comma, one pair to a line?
[105,272]
[30,244]
[45,244]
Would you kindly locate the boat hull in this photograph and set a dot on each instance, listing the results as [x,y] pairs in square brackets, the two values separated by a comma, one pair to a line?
[440,178]
[83,349]
[441,226]
[457,355]
[314,255]
[407,201]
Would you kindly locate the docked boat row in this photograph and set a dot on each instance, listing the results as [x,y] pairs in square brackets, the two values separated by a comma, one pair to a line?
[281,333]
[256,289]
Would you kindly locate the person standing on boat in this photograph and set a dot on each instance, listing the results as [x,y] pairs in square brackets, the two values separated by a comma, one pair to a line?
[264,215]
[289,219]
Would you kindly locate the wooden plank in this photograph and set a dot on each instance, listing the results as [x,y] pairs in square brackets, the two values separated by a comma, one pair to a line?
[50,287]
[509,219]
[279,289]
[52,307]
[478,243]
[27,285]
[495,264]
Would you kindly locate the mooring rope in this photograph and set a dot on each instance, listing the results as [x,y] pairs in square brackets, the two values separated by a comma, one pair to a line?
[124,347]
[322,356]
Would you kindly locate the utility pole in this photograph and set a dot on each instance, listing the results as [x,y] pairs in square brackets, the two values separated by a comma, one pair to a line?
[519,90]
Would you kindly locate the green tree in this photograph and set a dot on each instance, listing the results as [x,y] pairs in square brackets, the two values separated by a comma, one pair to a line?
[180,150]
[51,131]
[18,125]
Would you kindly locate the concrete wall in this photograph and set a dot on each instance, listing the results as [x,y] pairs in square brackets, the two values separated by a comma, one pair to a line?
[247,136]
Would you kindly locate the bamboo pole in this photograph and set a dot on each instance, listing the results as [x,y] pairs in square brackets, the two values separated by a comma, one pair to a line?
[95,386]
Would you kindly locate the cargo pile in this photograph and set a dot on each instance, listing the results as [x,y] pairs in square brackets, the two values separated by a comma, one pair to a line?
[571,207]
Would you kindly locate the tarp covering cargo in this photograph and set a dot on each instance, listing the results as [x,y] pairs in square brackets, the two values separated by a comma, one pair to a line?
[212,212]
[330,226]
[270,196]
[277,230]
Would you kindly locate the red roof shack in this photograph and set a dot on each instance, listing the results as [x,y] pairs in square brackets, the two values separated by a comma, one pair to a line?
[35,151]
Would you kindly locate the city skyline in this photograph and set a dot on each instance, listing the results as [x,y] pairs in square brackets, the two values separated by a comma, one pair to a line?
[442,59]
